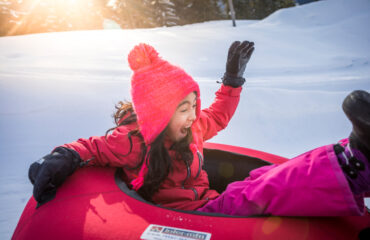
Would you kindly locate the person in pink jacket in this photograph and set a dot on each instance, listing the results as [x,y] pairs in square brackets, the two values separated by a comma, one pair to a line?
[158,141]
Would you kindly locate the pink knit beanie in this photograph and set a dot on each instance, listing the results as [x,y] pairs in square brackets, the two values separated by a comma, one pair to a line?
[157,88]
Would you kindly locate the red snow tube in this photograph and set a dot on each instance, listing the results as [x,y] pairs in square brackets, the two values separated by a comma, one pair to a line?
[94,203]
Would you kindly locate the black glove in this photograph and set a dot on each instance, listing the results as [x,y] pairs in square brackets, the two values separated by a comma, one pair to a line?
[237,59]
[50,172]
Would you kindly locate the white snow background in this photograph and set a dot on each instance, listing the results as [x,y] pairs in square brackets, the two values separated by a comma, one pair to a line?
[58,87]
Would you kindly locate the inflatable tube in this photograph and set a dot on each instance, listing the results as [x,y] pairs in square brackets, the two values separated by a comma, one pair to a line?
[94,203]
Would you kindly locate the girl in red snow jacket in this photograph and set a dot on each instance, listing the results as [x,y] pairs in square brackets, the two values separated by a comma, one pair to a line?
[186,186]
[159,139]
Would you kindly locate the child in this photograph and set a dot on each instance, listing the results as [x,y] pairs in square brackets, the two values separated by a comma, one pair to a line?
[159,139]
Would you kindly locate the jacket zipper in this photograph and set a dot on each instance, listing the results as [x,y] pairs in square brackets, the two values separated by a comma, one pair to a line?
[195,193]
[200,163]
[187,177]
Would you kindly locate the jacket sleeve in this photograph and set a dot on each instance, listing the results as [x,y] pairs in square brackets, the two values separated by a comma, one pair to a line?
[114,150]
[217,116]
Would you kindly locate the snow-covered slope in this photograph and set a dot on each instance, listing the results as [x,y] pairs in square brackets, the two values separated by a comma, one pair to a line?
[57,87]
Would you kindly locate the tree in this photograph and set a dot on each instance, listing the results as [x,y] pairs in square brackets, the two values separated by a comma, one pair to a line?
[31,16]
[164,13]
[146,13]
[193,11]
[259,9]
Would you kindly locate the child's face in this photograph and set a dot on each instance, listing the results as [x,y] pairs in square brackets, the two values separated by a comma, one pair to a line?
[183,118]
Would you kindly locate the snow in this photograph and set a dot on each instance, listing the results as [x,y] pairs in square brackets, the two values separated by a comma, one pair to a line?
[57,87]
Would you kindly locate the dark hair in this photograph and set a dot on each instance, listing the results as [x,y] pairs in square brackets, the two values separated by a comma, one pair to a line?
[160,163]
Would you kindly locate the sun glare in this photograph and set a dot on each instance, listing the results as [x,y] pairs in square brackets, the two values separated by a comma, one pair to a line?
[56,1]
[51,15]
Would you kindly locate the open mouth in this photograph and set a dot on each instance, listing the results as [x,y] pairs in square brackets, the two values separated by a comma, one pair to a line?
[185,130]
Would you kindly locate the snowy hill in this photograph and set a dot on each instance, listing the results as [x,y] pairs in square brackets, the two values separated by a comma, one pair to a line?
[57,87]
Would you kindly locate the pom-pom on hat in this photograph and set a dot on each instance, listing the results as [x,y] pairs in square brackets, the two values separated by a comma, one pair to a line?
[157,88]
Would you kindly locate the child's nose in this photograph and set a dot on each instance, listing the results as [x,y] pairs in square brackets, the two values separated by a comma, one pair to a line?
[193,115]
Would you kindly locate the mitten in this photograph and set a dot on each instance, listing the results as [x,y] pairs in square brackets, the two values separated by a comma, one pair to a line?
[237,59]
[51,171]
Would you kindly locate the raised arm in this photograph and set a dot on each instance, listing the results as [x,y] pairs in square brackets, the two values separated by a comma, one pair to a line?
[218,115]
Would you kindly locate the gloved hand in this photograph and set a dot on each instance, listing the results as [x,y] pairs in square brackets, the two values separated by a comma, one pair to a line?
[237,59]
[51,171]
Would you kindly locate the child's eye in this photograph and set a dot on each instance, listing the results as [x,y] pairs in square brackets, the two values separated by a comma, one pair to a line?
[194,106]
[183,110]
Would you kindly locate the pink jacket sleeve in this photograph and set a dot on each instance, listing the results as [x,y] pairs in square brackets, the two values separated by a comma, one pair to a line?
[113,150]
[217,116]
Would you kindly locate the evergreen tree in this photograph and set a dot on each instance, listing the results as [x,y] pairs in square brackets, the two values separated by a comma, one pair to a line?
[164,13]
[192,11]
[258,9]
[132,13]
[30,16]
[146,13]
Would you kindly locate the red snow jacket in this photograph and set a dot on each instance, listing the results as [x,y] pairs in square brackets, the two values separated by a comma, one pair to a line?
[186,187]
